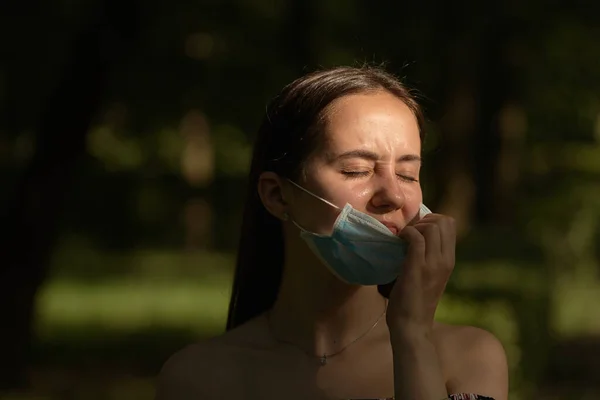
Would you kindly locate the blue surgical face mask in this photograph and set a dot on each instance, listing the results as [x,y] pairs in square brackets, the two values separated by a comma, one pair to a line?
[360,250]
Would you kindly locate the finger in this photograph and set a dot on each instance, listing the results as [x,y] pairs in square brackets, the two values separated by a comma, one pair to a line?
[433,241]
[447,227]
[416,245]
[431,217]
[448,238]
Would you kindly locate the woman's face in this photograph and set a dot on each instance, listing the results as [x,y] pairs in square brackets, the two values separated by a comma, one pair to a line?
[370,158]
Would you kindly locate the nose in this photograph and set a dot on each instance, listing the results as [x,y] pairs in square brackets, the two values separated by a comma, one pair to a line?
[388,195]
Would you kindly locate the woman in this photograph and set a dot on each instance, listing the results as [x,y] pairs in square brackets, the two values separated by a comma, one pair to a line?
[334,210]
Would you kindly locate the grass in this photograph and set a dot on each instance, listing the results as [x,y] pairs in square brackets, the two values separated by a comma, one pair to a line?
[130,305]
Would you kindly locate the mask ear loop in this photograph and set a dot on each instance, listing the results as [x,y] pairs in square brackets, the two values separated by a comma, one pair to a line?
[286,217]
[313,195]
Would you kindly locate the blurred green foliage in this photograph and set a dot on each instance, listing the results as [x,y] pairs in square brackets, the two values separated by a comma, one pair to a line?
[143,261]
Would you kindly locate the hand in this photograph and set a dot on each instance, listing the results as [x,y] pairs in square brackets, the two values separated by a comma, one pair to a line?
[425,273]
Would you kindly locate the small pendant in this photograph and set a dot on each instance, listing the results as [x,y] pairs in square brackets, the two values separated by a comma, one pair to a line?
[323,359]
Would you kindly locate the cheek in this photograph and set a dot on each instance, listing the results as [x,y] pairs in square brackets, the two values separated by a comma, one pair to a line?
[413,195]
[319,216]
[413,199]
[320,220]
[357,194]
[313,214]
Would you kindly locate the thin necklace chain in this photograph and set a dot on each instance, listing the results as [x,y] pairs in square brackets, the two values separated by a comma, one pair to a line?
[323,359]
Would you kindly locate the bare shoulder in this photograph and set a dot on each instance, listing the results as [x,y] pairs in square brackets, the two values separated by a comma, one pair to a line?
[191,372]
[207,369]
[474,360]
[465,338]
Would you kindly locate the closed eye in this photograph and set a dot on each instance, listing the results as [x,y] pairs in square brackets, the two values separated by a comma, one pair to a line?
[355,174]
[407,178]
[360,174]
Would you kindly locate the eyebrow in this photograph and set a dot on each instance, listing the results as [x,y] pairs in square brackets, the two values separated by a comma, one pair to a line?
[372,156]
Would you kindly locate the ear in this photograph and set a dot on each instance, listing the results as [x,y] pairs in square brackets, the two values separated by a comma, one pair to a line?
[271,192]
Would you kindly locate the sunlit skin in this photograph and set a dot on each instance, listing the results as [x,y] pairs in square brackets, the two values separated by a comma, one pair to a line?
[370,158]
[383,182]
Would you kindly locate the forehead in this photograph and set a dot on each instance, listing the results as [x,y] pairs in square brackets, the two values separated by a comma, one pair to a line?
[379,122]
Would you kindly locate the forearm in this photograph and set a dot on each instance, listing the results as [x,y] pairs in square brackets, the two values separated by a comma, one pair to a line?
[417,371]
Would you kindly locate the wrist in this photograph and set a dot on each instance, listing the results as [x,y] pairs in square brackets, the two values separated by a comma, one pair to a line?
[409,332]
[417,369]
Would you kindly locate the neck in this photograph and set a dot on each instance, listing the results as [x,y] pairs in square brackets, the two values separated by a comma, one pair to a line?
[317,312]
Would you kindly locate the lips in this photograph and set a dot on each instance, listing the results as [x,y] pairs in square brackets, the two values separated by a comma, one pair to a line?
[391,226]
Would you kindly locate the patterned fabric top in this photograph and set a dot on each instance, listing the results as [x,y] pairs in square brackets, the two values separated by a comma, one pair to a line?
[457,396]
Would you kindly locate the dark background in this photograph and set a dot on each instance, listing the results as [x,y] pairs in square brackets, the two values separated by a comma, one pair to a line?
[125,137]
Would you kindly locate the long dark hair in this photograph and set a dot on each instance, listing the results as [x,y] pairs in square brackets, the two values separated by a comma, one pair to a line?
[289,133]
